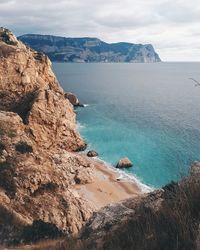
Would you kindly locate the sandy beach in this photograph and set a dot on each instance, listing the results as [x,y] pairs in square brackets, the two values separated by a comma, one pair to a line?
[107,187]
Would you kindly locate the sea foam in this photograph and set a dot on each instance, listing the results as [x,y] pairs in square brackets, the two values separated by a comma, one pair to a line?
[126,176]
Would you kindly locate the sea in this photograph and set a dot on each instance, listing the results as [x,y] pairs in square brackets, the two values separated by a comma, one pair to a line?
[149,113]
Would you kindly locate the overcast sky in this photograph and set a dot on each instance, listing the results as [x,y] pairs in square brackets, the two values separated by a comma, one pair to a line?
[172,26]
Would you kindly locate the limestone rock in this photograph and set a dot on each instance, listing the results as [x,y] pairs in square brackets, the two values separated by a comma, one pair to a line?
[38,138]
[29,88]
[195,168]
[124,163]
[73,99]
[92,153]
[83,176]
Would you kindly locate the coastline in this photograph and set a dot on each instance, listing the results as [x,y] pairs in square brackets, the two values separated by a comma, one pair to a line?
[108,186]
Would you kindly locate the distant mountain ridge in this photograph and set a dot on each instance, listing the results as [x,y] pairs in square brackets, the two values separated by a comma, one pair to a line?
[63,49]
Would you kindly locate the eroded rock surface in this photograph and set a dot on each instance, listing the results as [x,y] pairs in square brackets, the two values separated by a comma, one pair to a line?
[92,153]
[195,168]
[38,138]
[29,88]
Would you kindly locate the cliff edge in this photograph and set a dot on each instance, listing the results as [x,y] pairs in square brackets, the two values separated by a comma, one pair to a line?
[37,137]
[86,49]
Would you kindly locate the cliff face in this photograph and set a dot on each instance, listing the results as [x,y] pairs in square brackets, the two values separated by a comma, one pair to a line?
[37,138]
[90,49]
[28,87]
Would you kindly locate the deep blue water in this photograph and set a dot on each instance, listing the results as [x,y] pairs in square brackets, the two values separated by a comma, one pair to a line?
[147,112]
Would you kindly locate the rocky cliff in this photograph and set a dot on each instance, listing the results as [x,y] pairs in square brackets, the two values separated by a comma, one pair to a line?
[90,49]
[37,139]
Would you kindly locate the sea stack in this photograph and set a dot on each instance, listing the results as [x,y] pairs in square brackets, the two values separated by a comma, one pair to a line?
[124,163]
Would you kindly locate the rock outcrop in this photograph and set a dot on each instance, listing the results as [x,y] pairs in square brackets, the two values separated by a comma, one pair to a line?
[92,153]
[124,163]
[29,88]
[73,99]
[90,49]
[195,168]
[38,138]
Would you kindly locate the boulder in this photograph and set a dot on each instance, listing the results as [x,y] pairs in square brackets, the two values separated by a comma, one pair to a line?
[195,168]
[73,99]
[124,163]
[92,153]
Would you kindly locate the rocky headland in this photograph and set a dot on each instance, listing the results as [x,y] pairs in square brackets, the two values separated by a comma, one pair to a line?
[86,49]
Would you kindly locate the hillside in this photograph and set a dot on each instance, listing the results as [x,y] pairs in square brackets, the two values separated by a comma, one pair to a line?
[64,49]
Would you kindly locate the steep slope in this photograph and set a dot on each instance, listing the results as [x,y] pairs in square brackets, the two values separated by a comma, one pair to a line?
[89,49]
[29,88]
[166,219]
[37,134]
[47,189]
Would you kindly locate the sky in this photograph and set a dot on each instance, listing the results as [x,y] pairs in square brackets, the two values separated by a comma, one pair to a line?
[171,26]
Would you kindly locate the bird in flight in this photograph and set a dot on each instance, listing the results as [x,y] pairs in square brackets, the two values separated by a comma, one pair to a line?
[197,84]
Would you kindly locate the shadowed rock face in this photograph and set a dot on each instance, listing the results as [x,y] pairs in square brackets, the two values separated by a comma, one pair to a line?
[37,139]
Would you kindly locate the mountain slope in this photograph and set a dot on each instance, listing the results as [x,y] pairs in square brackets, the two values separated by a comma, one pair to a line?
[89,49]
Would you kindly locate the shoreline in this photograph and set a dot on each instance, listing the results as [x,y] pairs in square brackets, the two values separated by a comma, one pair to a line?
[122,174]
[107,186]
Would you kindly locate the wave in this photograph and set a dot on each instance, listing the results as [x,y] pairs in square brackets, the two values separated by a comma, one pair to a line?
[79,126]
[86,105]
[126,176]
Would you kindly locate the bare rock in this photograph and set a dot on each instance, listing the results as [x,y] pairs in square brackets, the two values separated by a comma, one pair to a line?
[7,37]
[83,176]
[92,153]
[72,98]
[29,88]
[195,168]
[124,163]
[38,138]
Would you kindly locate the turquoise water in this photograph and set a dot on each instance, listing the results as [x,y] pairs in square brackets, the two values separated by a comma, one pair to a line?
[147,112]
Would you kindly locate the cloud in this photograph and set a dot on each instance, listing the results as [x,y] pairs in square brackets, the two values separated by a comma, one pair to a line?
[171,26]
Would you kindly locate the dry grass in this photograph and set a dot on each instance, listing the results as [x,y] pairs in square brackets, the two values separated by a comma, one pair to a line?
[173,227]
